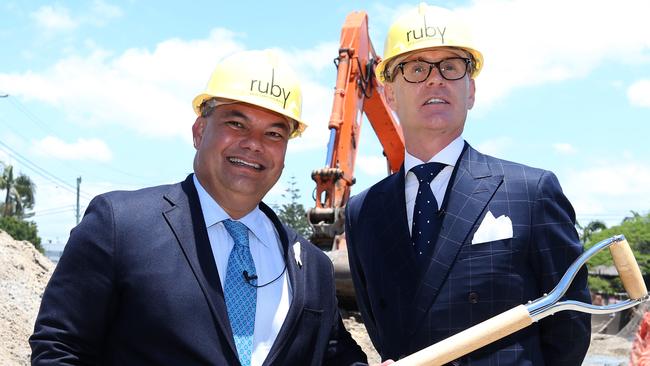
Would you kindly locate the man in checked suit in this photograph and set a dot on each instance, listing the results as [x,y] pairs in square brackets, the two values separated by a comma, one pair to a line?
[201,272]
[430,258]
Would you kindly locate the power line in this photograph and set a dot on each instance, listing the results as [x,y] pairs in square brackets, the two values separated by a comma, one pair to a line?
[44,126]
[30,115]
[42,172]
[58,212]
[46,210]
[6,124]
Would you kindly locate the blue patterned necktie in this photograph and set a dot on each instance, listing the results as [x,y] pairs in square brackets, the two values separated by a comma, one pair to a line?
[241,297]
[426,221]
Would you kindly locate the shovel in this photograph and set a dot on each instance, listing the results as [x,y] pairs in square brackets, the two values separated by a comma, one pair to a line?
[522,316]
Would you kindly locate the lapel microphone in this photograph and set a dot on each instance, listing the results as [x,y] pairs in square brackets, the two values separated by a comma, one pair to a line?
[250,278]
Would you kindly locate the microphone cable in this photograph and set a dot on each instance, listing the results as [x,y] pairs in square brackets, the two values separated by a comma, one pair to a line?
[249,278]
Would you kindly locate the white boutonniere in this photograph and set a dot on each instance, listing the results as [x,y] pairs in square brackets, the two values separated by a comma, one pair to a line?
[296,253]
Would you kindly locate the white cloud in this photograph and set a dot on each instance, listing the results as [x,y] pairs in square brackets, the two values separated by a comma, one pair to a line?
[82,149]
[142,90]
[315,59]
[58,18]
[609,191]
[54,18]
[55,206]
[101,12]
[527,42]
[564,148]
[639,93]
[316,110]
[495,147]
[372,165]
[5,158]
[317,97]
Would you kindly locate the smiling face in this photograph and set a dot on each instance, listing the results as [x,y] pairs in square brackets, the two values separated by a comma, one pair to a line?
[432,113]
[240,151]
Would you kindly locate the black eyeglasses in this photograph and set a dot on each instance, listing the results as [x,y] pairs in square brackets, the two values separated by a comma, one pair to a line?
[417,71]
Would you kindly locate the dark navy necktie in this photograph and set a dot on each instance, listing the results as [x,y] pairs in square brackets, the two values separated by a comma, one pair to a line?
[426,221]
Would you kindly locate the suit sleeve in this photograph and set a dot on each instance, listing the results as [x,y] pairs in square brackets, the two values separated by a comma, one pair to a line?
[78,302]
[358,278]
[566,335]
[342,349]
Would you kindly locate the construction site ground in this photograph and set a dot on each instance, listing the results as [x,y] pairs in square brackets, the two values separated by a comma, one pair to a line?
[24,272]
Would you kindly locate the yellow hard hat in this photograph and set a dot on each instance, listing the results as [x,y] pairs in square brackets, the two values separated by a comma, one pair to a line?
[426,27]
[259,78]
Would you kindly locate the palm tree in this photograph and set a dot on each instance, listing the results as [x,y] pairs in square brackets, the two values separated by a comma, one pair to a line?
[592,227]
[19,196]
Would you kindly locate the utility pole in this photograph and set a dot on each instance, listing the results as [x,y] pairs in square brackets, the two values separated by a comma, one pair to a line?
[78,185]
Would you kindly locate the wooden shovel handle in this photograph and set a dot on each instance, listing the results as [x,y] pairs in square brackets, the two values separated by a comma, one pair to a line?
[470,339]
[628,270]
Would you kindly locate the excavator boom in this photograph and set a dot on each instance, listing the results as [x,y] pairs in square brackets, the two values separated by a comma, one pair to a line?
[357,92]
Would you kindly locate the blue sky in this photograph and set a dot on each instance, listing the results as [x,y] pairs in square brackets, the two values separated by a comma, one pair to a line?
[102,90]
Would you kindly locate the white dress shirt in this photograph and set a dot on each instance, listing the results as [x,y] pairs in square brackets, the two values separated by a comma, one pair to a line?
[449,155]
[273,300]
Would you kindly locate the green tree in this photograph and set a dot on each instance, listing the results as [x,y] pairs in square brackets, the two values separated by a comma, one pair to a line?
[592,227]
[637,232]
[19,193]
[602,285]
[21,230]
[293,213]
[19,197]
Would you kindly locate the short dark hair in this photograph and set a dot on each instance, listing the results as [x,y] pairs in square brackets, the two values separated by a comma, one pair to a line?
[208,106]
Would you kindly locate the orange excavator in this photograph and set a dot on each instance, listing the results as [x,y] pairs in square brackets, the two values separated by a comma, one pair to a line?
[357,92]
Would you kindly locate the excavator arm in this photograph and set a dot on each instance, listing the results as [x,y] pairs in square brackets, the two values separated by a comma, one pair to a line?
[357,92]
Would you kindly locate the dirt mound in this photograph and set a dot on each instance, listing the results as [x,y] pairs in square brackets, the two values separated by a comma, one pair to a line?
[354,324]
[24,272]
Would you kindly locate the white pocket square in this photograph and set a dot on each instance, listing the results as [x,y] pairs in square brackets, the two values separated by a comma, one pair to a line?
[492,229]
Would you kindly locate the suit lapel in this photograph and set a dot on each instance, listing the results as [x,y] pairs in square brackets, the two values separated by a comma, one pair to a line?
[296,279]
[390,238]
[394,226]
[185,218]
[472,188]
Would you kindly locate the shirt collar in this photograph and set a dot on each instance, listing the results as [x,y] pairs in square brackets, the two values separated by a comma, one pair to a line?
[214,214]
[449,155]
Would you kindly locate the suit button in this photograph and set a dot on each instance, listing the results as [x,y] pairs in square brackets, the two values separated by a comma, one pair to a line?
[382,303]
[472,297]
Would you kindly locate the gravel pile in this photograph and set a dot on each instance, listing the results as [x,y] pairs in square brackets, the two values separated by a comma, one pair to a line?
[354,324]
[24,272]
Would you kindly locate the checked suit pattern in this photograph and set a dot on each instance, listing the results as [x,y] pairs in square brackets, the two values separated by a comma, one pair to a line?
[406,309]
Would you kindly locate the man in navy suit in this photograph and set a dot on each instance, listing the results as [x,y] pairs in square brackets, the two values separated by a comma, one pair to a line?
[489,235]
[201,272]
